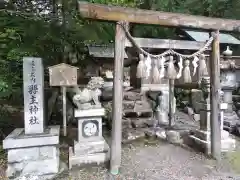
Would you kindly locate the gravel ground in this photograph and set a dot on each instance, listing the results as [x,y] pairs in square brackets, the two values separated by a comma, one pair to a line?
[162,161]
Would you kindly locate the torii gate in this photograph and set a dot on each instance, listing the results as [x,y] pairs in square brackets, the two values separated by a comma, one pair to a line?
[129,15]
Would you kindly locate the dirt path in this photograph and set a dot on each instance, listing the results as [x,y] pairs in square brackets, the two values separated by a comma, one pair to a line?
[159,162]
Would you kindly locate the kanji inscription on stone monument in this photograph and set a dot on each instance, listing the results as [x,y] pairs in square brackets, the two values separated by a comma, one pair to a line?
[33,76]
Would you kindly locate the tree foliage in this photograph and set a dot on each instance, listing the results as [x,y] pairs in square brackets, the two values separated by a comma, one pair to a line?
[46,28]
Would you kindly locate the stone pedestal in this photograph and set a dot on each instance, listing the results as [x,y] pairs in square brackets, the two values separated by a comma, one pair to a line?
[202,137]
[89,149]
[36,155]
[33,151]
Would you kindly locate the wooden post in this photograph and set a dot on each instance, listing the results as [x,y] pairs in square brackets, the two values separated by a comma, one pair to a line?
[215,89]
[64,110]
[116,144]
[171,101]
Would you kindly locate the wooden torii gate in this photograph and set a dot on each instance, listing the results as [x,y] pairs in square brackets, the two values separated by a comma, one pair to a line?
[129,15]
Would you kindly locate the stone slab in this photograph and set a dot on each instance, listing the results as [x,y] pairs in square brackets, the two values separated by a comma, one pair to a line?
[23,154]
[48,166]
[98,158]
[81,148]
[39,167]
[89,113]
[206,135]
[32,154]
[63,167]
[17,139]
[226,144]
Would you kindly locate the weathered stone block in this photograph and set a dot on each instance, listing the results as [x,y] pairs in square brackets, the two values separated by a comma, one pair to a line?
[161,134]
[131,135]
[79,160]
[82,148]
[41,167]
[228,144]
[49,152]
[174,137]
[10,172]
[17,139]
[23,154]
[196,117]
[140,122]
[150,132]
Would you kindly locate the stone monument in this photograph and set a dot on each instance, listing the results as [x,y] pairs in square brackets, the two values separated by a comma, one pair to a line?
[228,84]
[33,150]
[90,146]
[202,137]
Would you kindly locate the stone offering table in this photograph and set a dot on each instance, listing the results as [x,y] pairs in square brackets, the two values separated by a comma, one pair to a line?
[33,151]
[91,146]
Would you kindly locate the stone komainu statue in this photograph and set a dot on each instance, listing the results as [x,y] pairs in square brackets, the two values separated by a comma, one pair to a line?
[88,98]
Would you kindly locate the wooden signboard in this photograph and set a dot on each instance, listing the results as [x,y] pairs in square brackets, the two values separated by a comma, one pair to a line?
[63,75]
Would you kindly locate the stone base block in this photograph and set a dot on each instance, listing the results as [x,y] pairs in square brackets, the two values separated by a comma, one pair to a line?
[206,135]
[17,138]
[33,155]
[63,167]
[37,167]
[76,159]
[202,141]
[82,148]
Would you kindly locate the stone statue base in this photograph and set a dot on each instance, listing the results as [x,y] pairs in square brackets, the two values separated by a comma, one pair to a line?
[92,152]
[89,150]
[33,155]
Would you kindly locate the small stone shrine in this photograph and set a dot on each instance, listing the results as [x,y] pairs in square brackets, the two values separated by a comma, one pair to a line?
[90,146]
[33,151]
[202,137]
